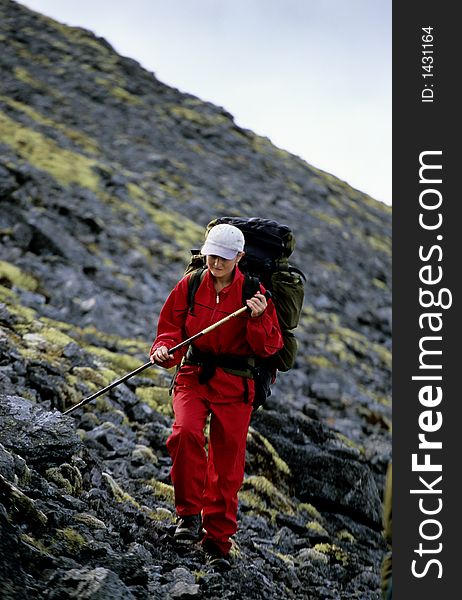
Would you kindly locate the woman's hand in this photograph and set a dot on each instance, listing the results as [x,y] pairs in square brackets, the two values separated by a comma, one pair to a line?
[160,355]
[257,304]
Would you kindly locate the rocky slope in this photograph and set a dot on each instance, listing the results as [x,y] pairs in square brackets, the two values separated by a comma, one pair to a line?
[107,178]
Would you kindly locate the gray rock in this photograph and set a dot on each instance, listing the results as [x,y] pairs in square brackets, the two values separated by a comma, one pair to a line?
[184,590]
[93,584]
[39,436]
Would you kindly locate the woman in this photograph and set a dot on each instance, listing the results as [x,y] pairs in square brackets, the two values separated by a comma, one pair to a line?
[214,378]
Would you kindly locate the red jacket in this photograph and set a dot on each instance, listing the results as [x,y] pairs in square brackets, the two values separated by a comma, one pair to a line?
[241,336]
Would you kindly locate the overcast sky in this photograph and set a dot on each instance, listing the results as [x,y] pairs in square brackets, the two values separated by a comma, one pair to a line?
[314,76]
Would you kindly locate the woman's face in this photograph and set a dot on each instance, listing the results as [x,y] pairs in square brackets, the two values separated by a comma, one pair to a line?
[222,268]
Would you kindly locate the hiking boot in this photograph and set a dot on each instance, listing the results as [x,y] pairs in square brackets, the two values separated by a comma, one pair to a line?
[214,556]
[189,528]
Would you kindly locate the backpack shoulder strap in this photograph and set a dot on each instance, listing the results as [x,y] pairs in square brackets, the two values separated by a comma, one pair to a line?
[195,279]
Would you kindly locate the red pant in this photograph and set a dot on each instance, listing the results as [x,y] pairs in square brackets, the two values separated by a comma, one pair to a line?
[208,484]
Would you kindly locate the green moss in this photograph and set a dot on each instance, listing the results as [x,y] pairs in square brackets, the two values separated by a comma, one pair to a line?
[330,266]
[311,510]
[380,284]
[144,454]
[94,378]
[102,404]
[262,145]
[7,296]
[77,35]
[333,552]
[118,493]
[255,502]
[328,218]
[42,342]
[172,224]
[313,555]
[14,276]
[161,515]
[379,398]
[197,117]
[72,539]
[85,142]
[108,339]
[199,575]
[163,491]
[346,345]
[56,337]
[317,528]
[23,75]
[336,203]
[114,87]
[379,244]
[66,477]
[320,362]
[346,536]
[31,541]
[279,463]
[90,521]
[117,361]
[269,493]
[295,187]
[65,166]
[348,442]
[313,318]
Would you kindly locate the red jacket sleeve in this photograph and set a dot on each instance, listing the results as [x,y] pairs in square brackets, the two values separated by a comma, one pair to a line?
[263,332]
[170,327]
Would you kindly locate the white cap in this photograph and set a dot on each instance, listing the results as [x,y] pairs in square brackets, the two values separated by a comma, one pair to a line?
[223,240]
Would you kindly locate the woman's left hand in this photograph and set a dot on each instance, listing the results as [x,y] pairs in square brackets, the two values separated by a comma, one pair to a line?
[257,304]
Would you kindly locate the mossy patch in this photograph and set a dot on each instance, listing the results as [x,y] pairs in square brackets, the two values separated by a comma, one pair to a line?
[157,398]
[349,442]
[278,462]
[317,528]
[90,521]
[172,224]
[117,361]
[334,552]
[55,337]
[269,494]
[321,362]
[13,276]
[198,117]
[163,491]
[346,536]
[144,455]
[72,539]
[85,142]
[328,218]
[117,90]
[94,378]
[37,544]
[251,500]
[67,477]
[379,284]
[118,493]
[65,166]
[310,510]
[23,75]
[160,514]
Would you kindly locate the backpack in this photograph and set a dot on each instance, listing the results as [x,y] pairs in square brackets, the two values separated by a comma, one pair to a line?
[268,246]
